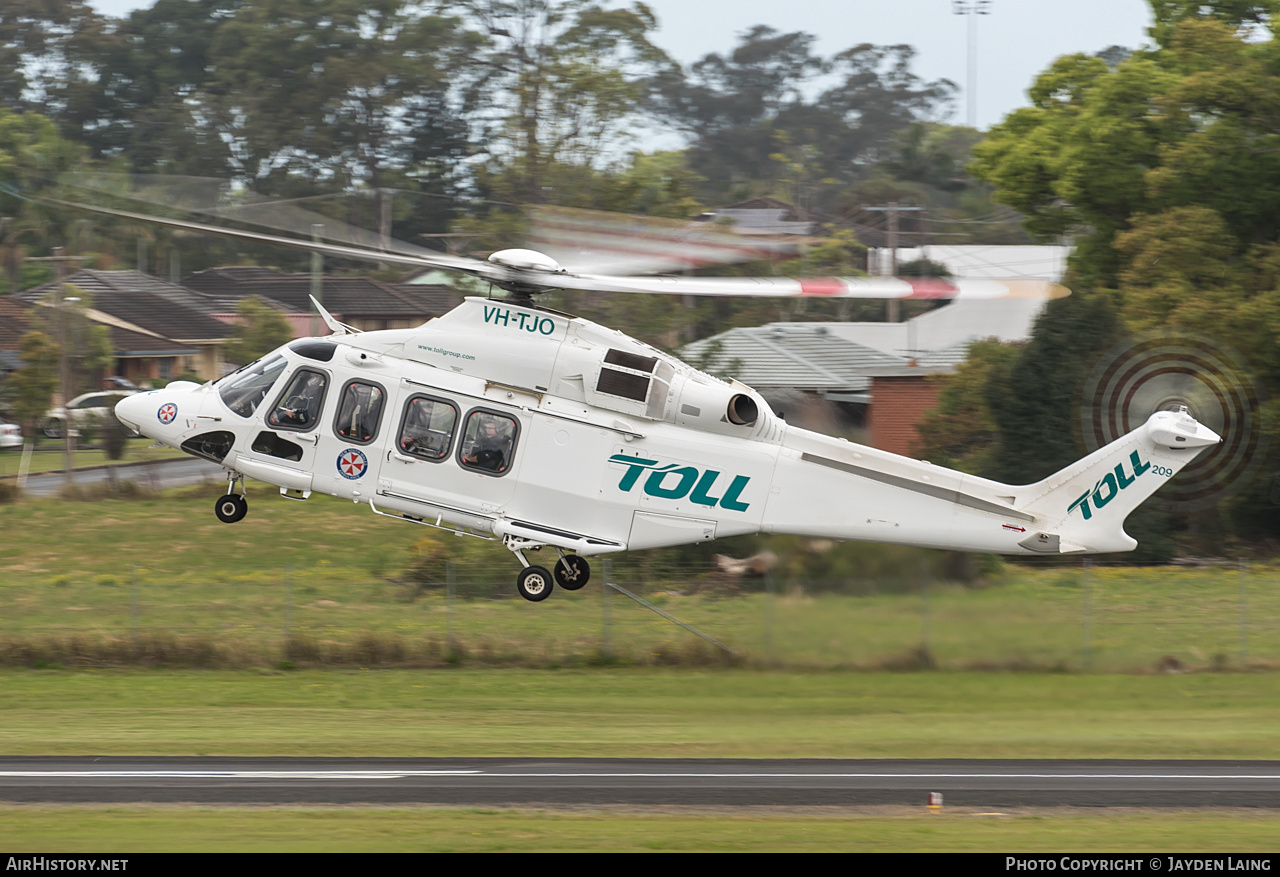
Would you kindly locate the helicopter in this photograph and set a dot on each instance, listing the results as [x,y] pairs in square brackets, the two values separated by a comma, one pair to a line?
[509,421]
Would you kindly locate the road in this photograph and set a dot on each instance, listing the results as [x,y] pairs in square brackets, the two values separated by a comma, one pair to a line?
[706,782]
[175,472]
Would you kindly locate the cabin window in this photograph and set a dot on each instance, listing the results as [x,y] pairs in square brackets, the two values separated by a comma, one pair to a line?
[488,442]
[298,407]
[244,390]
[274,446]
[428,427]
[359,411]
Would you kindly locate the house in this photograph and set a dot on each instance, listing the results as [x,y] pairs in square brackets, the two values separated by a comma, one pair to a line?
[873,377]
[159,329]
[361,302]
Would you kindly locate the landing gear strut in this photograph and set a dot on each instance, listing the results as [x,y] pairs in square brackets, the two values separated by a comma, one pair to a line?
[534,582]
[233,506]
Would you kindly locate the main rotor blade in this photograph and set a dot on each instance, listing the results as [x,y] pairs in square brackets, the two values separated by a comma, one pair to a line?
[210,197]
[818,287]
[486,270]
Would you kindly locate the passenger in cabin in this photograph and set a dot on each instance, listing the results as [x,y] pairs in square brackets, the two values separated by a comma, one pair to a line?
[491,446]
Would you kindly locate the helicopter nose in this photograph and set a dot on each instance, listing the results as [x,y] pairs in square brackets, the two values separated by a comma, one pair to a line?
[131,411]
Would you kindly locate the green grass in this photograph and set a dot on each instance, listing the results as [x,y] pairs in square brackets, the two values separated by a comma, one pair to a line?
[159,581]
[198,829]
[639,712]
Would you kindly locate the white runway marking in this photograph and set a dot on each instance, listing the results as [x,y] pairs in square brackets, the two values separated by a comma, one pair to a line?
[401,774]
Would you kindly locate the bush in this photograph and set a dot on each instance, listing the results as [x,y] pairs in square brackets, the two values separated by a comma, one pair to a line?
[115,435]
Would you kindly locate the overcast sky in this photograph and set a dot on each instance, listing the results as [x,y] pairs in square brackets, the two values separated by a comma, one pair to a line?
[1016,41]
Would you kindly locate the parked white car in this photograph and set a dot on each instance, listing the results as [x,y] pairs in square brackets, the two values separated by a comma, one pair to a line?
[10,435]
[86,409]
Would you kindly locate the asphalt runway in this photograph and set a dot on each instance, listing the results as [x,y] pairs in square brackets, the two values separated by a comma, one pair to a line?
[705,782]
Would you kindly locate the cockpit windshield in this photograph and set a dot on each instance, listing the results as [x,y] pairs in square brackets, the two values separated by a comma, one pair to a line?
[244,391]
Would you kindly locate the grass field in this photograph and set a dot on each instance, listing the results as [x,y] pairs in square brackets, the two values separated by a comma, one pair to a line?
[639,712]
[305,599]
[899,829]
[635,712]
[159,580]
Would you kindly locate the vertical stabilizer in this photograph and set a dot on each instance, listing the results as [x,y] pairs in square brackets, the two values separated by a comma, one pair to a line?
[1084,506]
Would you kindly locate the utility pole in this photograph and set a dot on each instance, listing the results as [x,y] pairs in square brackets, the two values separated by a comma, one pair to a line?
[317,277]
[892,209]
[60,259]
[971,9]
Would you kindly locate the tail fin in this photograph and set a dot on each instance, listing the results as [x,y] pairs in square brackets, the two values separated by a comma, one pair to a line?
[1084,506]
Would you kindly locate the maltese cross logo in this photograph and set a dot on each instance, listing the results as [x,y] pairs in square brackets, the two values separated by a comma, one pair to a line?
[352,464]
[167,413]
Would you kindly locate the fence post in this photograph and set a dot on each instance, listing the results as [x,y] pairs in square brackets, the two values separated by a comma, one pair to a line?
[606,634]
[1086,568]
[449,578]
[288,611]
[768,617]
[926,653]
[1244,613]
[133,607]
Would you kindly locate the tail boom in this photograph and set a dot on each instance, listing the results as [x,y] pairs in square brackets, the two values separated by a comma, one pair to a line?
[835,489]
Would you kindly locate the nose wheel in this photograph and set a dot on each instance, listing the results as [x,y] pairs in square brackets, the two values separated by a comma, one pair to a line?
[233,506]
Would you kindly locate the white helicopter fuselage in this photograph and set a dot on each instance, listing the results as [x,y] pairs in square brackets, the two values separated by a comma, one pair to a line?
[607,444]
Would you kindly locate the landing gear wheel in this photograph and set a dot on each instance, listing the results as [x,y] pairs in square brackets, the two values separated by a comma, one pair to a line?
[231,508]
[572,572]
[534,583]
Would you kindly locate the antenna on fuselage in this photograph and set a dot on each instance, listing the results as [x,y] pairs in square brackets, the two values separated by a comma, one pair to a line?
[336,327]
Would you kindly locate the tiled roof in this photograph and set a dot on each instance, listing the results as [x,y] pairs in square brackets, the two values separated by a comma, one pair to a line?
[155,305]
[795,355]
[13,323]
[348,297]
[845,356]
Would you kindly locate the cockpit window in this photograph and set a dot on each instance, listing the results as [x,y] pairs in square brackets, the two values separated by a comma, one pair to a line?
[244,390]
[321,351]
[298,407]
[359,412]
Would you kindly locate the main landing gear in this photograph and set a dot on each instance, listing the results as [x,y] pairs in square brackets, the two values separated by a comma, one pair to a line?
[233,506]
[535,583]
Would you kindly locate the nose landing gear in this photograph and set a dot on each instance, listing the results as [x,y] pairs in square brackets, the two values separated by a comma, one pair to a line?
[233,506]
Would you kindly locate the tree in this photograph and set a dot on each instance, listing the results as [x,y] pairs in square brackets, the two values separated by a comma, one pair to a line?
[752,122]
[962,433]
[562,78]
[35,381]
[37,49]
[32,156]
[259,330]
